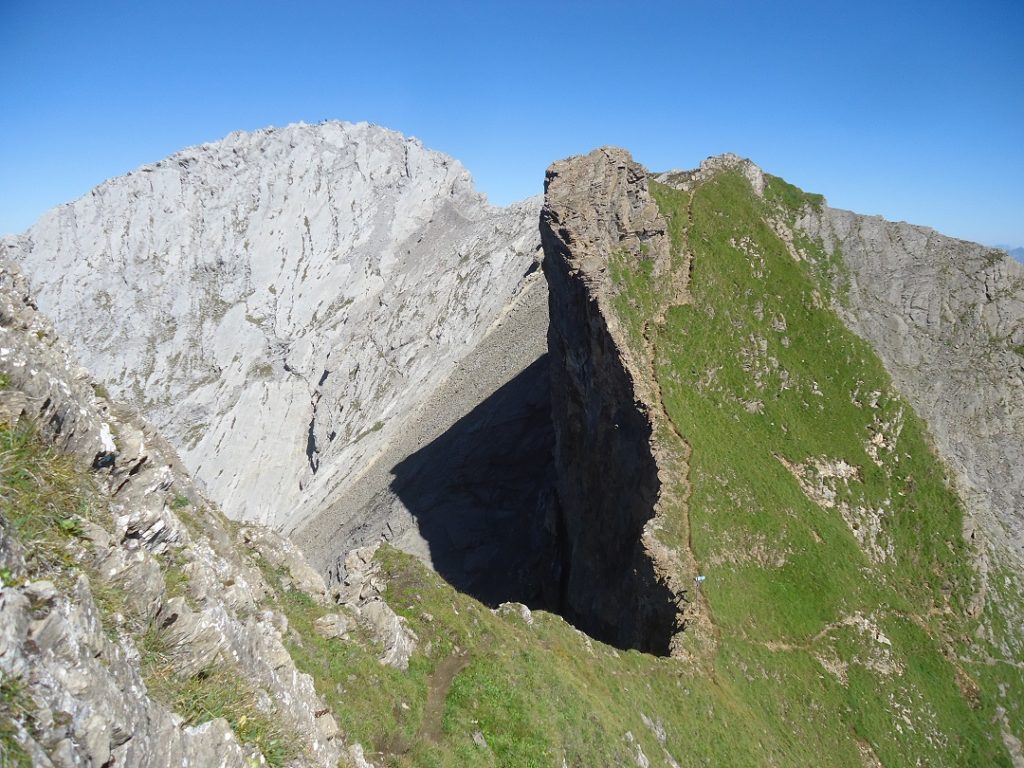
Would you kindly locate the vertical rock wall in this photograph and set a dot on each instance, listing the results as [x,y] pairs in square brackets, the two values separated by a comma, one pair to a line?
[608,474]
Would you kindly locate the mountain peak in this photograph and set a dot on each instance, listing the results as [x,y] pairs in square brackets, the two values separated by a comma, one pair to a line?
[231,274]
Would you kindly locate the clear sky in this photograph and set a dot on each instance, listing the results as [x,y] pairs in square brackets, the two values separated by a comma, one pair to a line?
[913,110]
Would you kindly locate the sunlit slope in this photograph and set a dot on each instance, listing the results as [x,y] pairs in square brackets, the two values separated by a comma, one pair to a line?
[835,568]
[836,577]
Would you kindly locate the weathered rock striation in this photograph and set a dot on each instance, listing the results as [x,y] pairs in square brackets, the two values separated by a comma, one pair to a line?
[173,575]
[280,303]
[609,485]
[947,318]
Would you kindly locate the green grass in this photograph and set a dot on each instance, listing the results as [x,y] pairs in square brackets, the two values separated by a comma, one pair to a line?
[787,196]
[780,568]
[365,697]
[218,691]
[15,709]
[639,297]
[43,497]
[42,500]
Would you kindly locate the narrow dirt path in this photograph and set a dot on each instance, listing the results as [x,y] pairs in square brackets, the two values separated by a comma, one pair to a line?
[440,683]
[677,493]
[431,727]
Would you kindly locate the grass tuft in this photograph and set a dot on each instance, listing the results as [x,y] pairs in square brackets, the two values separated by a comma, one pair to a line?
[15,718]
[43,496]
[218,691]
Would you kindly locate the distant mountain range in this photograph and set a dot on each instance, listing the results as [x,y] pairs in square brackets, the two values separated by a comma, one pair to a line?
[1017,253]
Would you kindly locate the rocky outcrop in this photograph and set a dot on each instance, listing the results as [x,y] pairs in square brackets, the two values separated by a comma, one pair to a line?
[361,592]
[149,570]
[604,410]
[947,318]
[280,303]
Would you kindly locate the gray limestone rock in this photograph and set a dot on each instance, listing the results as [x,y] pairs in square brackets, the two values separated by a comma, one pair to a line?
[279,303]
[281,553]
[332,625]
[361,593]
[947,318]
[90,702]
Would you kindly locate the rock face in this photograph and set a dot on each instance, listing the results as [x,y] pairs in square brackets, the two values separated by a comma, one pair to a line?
[947,318]
[280,303]
[472,467]
[89,702]
[603,408]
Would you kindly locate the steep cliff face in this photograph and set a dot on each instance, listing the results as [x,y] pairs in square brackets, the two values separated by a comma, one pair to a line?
[280,303]
[947,318]
[597,209]
[754,473]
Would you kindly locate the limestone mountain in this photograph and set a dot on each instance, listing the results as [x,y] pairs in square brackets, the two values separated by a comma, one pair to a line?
[280,303]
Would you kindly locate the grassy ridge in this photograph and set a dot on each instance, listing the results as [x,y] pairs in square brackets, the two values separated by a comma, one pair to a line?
[759,373]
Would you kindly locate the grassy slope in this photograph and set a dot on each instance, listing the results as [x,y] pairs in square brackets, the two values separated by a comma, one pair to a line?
[756,368]
[826,655]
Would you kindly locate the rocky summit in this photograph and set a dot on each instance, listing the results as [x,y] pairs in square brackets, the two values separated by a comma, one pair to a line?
[676,468]
[280,303]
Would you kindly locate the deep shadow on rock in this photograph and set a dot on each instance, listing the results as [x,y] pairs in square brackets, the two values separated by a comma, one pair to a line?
[483,496]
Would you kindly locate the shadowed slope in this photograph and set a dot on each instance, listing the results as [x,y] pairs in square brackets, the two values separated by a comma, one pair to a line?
[481,496]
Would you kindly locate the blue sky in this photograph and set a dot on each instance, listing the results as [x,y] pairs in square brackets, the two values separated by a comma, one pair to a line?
[912,110]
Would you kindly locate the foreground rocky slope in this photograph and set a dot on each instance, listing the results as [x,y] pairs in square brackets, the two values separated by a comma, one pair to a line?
[280,303]
[137,626]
